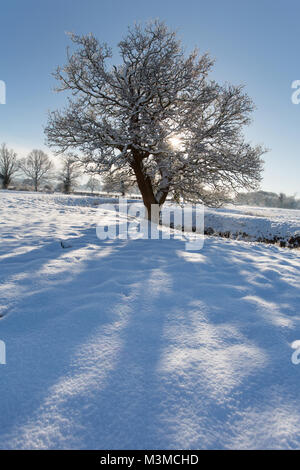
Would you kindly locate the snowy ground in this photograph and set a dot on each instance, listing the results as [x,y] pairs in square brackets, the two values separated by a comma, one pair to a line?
[140,344]
[257,222]
[251,223]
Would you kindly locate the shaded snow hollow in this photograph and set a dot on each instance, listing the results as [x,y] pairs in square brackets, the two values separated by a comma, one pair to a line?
[140,344]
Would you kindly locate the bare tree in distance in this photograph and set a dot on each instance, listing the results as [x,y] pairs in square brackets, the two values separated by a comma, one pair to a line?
[118,181]
[37,167]
[9,165]
[93,184]
[69,174]
[155,115]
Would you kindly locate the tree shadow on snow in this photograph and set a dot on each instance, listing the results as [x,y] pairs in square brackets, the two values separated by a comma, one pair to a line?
[140,344]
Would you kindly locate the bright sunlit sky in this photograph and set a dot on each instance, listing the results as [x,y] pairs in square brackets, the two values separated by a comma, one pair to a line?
[254,42]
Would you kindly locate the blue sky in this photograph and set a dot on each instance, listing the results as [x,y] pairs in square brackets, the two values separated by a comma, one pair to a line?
[254,42]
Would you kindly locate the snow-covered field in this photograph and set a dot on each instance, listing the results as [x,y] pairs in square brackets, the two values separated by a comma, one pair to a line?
[258,223]
[140,344]
[252,223]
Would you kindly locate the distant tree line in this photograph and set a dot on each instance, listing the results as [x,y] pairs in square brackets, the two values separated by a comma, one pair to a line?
[268,199]
[37,172]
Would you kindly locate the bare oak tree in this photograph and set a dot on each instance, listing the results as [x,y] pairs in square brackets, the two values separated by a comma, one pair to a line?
[37,167]
[69,174]
[8,165]
[155,116]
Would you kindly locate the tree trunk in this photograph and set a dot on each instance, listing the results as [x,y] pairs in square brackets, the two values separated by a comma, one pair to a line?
[67,188]
[5,180]
[163,197]
[145,187]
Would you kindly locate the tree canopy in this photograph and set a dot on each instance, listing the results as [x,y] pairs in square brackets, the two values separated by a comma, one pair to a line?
[155,116]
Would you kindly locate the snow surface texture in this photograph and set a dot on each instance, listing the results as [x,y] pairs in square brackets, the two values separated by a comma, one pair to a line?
[140,344]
